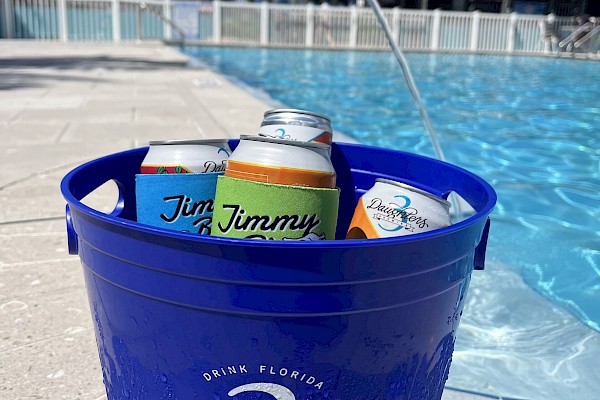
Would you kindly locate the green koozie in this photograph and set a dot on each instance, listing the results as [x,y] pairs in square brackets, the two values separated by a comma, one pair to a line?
[256,210]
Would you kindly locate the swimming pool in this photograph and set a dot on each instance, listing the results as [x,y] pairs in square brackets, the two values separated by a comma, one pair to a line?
[529,126]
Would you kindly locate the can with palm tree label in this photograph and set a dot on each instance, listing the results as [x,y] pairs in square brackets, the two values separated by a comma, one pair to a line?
[176,187]
[186,156]
[292,124]
[392,209]
[277,189]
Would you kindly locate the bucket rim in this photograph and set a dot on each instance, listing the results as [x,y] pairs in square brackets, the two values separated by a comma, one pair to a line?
[110,219]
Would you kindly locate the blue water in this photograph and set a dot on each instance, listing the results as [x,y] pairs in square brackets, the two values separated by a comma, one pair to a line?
[529,126]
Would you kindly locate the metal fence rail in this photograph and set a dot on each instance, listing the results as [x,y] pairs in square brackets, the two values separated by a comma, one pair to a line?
[414,30]
[80,20]
[265,24]
[240,23]
[458,30]
[287,26]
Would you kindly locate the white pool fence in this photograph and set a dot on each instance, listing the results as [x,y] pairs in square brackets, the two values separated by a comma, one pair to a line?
[275,25]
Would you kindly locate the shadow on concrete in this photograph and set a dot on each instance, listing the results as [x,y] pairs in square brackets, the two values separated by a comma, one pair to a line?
[21,80]
[88,63]
[11,78]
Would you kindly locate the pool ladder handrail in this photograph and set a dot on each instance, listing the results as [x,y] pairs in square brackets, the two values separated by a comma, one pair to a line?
[571,37]
[587,37]
[168,21]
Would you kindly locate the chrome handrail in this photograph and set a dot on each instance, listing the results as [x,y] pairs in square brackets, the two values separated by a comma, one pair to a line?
[587,37]
[166,20]
[570,38]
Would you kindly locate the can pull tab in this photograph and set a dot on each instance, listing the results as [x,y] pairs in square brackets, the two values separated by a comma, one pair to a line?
[479,259]
[71,234]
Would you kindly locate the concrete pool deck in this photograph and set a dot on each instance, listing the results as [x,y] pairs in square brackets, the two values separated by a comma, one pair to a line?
[62,105]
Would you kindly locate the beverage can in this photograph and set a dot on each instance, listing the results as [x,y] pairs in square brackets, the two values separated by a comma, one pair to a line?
[186,156]
[282,162]
[293,124]
[277,189]
[391,209]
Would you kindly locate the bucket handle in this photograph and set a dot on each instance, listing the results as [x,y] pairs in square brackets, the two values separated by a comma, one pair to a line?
[72,244]
[72,240]
[479,259]
[84,180]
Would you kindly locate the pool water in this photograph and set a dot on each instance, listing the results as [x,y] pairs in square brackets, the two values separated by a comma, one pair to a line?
[530,127]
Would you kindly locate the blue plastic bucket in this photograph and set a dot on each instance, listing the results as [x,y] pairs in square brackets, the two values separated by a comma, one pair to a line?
[183,316]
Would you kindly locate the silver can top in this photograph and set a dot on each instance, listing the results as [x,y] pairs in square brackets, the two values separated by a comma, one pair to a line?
[209,142]
[290,116]
[320,147]
[432,196]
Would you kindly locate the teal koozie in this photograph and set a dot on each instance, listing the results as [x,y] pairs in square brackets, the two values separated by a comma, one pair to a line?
[257,210]
[182,202]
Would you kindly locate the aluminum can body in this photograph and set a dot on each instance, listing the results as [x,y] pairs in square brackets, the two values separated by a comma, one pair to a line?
[282,162]
[292,124]
[186,156]
[391,209]
[276,189]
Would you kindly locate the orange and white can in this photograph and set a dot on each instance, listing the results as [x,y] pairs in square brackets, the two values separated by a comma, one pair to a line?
[282,162]
[391,209]
[293,124]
